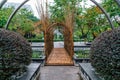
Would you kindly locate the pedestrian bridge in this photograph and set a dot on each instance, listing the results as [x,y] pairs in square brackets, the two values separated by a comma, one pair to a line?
[62,55]
[59,56]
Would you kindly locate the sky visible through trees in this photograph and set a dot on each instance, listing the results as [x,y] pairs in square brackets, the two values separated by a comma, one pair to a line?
[33,3]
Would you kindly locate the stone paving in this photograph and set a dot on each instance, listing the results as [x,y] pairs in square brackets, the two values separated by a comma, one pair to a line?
[59,73]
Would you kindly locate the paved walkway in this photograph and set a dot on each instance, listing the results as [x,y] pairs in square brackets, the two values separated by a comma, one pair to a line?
[59,73]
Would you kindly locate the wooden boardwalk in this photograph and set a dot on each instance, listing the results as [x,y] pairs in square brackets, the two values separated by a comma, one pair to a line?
[59,56]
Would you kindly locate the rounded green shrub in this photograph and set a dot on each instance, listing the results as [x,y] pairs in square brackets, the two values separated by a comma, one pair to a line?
[105,54]
[15,54]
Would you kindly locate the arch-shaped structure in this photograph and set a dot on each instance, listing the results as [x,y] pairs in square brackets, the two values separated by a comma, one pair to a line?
[68,39]
[100,7]
[52,26]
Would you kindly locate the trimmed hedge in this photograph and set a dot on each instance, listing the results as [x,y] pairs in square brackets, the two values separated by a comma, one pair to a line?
[15,54]
[105,54]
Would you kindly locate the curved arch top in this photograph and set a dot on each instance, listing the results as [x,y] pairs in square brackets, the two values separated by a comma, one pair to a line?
[51,27]
[11,16]
[102,9]
[68,39]
[14,12]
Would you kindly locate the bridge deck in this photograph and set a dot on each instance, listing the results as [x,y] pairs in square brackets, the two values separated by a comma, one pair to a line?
[59,56]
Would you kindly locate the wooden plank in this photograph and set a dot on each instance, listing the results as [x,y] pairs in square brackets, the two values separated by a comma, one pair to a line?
[59,56]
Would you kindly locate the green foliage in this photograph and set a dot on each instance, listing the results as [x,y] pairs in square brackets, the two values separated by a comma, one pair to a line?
[91,21]
[112,8]
[60,9]
[105,54]
[4,14]
[28,14]
[37,54]
[15,54]
[22,22]
[82,54]
[39,36]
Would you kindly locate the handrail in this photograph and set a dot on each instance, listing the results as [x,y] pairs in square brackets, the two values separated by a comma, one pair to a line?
[107,16]
[2,3]
[14,12]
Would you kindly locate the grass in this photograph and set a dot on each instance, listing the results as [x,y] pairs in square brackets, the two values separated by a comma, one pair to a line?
[79,54]
[37,54]
[82,54]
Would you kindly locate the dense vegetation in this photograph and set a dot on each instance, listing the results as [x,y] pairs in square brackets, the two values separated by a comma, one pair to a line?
[89,22]
[22,22]
[15,54]
[105,54]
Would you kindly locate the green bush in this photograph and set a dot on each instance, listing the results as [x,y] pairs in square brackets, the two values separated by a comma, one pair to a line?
[37,54]
[15,54]
[39,36]
[105,54]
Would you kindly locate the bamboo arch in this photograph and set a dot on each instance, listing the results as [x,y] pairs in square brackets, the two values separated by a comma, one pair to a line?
[68,39]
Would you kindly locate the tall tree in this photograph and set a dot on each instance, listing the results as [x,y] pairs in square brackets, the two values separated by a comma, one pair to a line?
[60,9]
[22,22]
